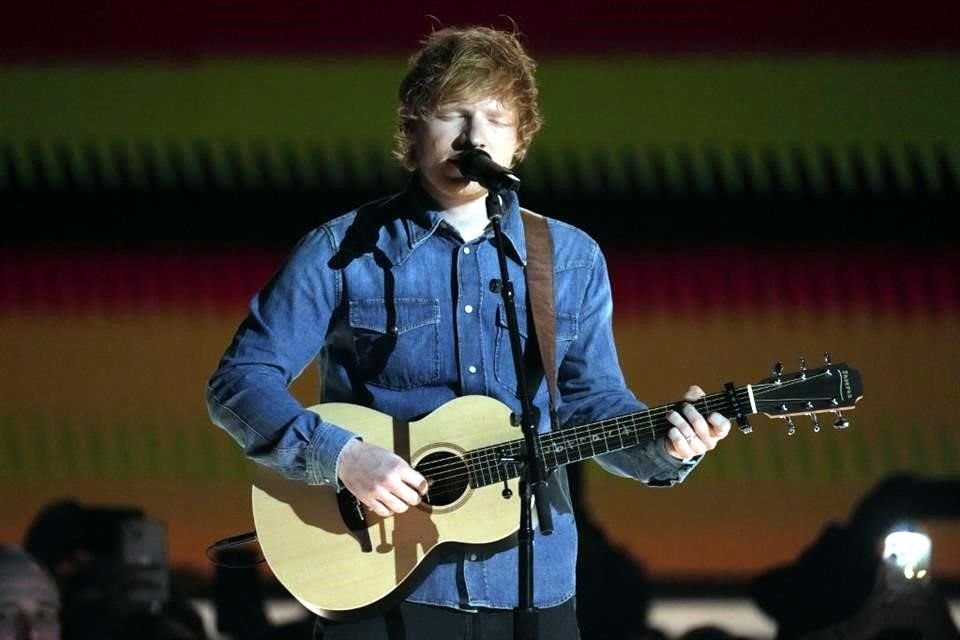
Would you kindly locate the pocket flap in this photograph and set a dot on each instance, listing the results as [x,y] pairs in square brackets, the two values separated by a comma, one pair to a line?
[566,323]
[395,316]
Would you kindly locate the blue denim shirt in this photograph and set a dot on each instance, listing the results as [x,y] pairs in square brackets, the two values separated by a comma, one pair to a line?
[396,309]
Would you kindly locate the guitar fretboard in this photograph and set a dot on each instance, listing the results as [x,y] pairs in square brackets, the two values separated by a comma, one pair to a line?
[491,465]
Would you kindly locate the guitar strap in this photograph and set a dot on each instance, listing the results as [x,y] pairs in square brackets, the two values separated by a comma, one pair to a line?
[539,274]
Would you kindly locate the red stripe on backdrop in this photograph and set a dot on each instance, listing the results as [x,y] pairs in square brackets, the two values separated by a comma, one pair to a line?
[744,280]
[63,281]
[683,281]
[186,29]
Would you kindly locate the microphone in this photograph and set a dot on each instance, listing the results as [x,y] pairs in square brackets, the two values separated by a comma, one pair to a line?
[477,165]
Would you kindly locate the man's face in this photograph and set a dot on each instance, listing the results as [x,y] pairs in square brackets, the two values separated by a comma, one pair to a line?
[487,124]
[29,608]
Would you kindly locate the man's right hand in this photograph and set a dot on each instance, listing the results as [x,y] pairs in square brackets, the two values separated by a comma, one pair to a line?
[380,479]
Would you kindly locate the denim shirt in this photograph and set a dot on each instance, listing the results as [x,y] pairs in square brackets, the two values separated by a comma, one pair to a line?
[397,310]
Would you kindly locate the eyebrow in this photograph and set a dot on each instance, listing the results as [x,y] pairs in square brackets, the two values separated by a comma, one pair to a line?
[459,106]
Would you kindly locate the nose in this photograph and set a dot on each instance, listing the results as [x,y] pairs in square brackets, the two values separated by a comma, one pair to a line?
[475,132]
[21,627]
[26,627]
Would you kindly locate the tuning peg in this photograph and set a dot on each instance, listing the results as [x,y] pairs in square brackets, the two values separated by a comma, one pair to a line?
[778,370]
[816,422]
[841,423]
[826,359]
[803,368]
[791,428]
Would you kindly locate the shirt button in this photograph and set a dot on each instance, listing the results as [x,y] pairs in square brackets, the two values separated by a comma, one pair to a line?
[468,308]
[466,249]
[473,557]
[472,369]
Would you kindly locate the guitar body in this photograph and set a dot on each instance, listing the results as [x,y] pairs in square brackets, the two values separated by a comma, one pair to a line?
[342,562]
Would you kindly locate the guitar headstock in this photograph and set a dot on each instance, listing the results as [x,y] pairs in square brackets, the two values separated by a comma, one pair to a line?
[832,388]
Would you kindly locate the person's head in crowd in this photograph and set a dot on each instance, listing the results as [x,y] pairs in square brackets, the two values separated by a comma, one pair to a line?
[29,601]
[109,564]
[69,538]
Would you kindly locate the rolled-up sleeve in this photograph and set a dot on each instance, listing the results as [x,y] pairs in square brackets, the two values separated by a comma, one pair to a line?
[248,394]
[592,387]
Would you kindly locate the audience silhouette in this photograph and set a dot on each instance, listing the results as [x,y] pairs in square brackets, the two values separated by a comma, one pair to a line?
[102,572]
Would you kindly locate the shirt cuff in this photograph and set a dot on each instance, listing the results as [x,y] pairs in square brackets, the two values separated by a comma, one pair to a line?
[323,454]
[669,470]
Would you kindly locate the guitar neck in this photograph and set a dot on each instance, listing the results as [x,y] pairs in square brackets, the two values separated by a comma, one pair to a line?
[582,442]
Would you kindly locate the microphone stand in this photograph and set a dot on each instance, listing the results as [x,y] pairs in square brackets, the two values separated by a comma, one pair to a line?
[533,473]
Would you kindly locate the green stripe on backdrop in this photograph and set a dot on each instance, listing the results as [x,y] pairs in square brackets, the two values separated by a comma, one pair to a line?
[707,120]
[38,448]
[862,464]
[43,448]
[947,449]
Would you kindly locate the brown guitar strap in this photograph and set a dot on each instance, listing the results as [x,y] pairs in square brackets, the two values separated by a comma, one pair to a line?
[539,272]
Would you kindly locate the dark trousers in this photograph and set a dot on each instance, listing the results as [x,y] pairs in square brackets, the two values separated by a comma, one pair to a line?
[416,621]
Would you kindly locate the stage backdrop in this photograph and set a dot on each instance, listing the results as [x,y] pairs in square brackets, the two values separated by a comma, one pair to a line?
[158,161]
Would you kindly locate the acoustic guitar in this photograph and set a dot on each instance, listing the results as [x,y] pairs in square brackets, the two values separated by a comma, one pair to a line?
[342,561]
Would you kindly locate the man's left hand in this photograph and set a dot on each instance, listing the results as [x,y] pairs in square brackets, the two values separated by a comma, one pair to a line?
[691,434]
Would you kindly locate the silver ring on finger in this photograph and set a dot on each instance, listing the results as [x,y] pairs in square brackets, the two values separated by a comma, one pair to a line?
[690,438]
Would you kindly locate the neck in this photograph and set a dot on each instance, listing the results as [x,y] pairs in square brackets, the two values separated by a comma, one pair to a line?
[573,444]
[468,218]
[465,213]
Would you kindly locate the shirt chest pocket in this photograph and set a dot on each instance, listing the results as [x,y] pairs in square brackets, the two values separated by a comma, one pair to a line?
[397,341]
[566,328]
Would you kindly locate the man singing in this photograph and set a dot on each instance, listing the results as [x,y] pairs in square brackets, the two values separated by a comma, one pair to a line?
[393,301]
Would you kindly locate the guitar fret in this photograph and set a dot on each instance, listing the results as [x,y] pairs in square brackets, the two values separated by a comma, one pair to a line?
[489,465]
[614,440]
[559,442]
[493,465]
[471,470]
[548,453]
[604,436]
[483,466]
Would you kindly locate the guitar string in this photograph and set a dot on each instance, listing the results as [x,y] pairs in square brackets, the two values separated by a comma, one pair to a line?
[584,435]
[482,463]
[488,461]
[492,452]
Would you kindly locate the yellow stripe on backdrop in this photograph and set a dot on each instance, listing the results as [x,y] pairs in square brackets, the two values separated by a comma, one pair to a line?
[108,409]
[760,498]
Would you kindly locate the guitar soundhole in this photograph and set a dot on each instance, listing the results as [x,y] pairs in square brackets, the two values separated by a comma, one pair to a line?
[448,476]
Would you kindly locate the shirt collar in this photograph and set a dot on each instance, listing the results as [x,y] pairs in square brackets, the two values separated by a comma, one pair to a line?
[421,217]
